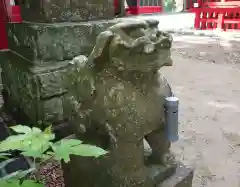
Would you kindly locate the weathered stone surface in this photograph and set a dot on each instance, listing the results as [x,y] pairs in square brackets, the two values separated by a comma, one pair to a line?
[50,83]
[62,130]
[159,173]
[182,178]
[66,10]
[112,92]
[48,43]
[19,85]
[44,43]
[37,90]
[50,110]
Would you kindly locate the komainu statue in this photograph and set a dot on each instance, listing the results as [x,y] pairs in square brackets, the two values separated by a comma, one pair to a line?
[115,101]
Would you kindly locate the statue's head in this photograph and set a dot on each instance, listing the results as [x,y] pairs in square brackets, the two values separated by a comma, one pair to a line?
[133,46]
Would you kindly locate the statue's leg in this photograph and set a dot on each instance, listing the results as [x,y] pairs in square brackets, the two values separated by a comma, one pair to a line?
[128,168]
[160,146]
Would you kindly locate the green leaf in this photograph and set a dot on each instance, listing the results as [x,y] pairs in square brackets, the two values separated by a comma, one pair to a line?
[32,153]
[36,130]
[21,129]
[31,183]
[32,142]
[61,154]
[12,143]
[3,183]
[68,142]
[10,183]
[48,130]
[64,148]
[16,183]
[38,145]
[88,151]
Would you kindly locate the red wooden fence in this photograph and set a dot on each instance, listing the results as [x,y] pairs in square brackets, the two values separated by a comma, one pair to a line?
[218,14]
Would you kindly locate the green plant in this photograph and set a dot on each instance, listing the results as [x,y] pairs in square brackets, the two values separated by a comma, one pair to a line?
[32,142]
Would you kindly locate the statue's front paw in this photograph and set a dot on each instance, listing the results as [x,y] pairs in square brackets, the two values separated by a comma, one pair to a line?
[163,159]
[81,128]
[168,159]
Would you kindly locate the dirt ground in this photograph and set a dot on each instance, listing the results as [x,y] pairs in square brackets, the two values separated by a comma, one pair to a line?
[206,78]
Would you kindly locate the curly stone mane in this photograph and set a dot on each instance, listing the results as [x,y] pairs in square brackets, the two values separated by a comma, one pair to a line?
[136,36]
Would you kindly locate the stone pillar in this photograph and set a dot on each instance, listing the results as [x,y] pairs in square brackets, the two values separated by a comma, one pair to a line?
[52,33]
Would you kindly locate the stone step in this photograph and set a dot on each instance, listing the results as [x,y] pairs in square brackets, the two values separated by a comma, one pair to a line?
[182,178]
[160,173]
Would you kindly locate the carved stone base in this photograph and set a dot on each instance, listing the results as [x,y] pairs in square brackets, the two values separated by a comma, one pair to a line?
[159,173]
[182,178]
[80,170]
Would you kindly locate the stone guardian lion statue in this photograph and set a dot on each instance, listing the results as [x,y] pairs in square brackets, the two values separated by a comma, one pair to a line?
[116,99]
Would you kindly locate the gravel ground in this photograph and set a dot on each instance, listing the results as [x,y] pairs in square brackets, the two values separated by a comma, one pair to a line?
[219,50]
[206,78]
[51,175]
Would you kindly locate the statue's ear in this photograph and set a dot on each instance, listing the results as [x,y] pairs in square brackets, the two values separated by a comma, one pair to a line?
[152,23]
[100,53]
[129,26]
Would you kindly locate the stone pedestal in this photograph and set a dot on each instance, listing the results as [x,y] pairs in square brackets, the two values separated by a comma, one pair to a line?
[33,71]
[34,90]
[45,44]
[182,177]
[66,10]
